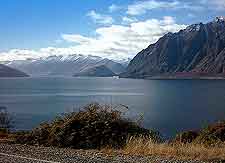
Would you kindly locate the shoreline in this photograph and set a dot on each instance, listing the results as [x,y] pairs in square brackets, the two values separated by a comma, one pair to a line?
[141,78]
[175,78]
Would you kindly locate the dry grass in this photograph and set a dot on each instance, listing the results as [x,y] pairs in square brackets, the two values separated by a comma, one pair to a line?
[144,147]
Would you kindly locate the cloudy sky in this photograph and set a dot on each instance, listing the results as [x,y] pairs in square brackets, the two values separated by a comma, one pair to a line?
[116,29]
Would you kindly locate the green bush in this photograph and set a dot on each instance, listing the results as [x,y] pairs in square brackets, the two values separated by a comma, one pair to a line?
[94,126]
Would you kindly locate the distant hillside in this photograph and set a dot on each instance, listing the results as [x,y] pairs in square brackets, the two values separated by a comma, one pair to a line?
[98,71]
[197,51]
[64,66]
[114,66]
[6,71]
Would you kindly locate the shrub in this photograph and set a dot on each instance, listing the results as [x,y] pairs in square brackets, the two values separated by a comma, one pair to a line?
[95,126]
[213,134]
[187,136]
[5,120]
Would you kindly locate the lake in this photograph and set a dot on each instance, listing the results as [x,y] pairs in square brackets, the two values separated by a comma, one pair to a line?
[168,106]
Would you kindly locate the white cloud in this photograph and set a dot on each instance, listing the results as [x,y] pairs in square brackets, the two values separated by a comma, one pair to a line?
[19,54]
[169,20]
[191,15]
[128,20]
[76,38]
[99,18]
[114,8]
[214,4]
[115,41]
[118,41]
[219,3]
[58,41]
[141,7]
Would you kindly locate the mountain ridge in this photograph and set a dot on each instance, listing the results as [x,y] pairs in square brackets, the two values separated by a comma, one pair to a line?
[98,71]
[6,71]
[64,65]
[197,51]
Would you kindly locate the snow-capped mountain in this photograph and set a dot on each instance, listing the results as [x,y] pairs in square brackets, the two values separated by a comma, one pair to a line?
[64,65]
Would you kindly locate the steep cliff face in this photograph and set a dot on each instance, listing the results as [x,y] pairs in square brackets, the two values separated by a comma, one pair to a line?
[199,50]
[6,71]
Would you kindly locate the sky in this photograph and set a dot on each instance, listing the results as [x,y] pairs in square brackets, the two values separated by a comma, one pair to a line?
[115,29]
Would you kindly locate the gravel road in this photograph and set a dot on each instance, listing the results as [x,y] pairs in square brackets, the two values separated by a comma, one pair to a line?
[31,154]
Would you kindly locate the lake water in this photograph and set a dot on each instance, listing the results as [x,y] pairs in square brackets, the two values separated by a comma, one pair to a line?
[168,106]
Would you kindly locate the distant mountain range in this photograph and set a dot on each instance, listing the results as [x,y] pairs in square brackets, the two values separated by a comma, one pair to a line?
[71,65]
[6,71]
[197,51]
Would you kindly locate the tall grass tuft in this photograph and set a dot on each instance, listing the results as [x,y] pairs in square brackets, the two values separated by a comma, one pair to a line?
[148,147]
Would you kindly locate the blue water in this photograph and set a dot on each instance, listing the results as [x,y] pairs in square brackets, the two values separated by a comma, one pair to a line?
[168,106]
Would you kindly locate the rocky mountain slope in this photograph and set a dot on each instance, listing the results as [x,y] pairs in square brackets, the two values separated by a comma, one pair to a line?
[98,71]
[6,71]
[197,51]
[65,66]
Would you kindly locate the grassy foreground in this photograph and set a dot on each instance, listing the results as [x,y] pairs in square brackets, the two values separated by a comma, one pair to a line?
[102,127]
[179,151]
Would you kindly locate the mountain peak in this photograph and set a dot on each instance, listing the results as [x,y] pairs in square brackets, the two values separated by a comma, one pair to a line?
[198,50]
[65,65]
[220,19]
[194,27]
